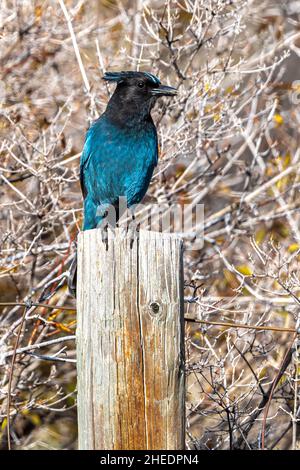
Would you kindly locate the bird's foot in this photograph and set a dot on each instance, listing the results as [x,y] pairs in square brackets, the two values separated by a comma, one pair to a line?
[104,235]
[130,232]
[133,231]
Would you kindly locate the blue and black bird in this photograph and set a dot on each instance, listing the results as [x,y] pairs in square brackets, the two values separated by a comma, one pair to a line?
[121,149]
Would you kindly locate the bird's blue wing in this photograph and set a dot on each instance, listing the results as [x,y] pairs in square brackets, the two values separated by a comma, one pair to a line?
[84,159]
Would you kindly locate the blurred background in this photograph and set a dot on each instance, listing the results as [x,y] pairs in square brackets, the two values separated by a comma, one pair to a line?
[230,141]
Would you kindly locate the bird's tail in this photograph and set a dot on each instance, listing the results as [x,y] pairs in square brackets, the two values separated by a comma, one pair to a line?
[72,280]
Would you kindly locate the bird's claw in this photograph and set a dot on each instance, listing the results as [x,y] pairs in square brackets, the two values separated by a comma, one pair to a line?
[104,235]
[130,231]
[134,227]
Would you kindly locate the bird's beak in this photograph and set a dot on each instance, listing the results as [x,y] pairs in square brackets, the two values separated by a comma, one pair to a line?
[164,90]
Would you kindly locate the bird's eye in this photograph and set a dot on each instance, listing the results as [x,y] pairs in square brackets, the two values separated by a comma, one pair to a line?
[140,84]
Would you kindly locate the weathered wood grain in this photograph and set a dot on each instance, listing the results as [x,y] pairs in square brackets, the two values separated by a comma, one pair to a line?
[130,342]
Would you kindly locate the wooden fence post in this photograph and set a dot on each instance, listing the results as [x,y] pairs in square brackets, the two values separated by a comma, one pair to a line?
[130,344]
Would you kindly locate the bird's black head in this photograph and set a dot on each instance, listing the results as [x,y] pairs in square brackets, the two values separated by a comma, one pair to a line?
[135,94]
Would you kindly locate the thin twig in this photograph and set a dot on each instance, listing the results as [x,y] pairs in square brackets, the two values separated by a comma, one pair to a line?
[40,345]
[35,304]
[75,45]
[284,363]
[44,357]
[238,325]
[14,353]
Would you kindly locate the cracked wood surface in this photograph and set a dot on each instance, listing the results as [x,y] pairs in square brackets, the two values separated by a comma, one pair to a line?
[130,347]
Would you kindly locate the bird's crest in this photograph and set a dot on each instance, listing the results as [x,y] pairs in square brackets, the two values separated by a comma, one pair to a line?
[120,76]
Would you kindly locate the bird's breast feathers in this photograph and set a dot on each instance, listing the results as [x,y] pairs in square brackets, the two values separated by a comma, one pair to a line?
[118,162]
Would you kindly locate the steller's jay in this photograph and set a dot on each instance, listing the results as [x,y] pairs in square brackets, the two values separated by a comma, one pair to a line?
[120,150]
